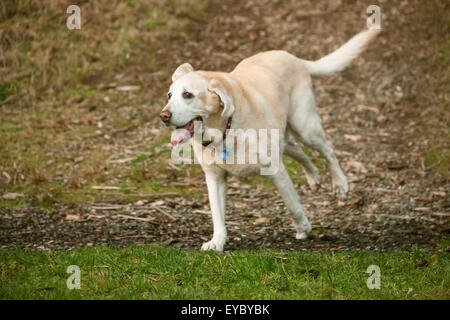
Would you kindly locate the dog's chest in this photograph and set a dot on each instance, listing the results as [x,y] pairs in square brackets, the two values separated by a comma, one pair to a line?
[236,160]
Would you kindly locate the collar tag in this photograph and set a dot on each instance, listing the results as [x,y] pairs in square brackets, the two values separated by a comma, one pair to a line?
[226,151]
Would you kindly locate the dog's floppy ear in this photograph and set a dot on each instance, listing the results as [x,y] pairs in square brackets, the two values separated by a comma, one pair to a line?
[228,105]
[181,71]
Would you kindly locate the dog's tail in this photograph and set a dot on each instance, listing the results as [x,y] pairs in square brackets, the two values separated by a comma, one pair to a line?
[342,57]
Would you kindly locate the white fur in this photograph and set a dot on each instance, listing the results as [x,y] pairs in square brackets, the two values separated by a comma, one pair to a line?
[341,58]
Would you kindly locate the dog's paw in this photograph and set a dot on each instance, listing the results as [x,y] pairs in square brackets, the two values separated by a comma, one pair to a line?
[304,232]
[301,236]
[340,187]
[213,245]
[314,180]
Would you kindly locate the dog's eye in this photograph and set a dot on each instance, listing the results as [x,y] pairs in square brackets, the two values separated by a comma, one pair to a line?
[187,95]
[169,95]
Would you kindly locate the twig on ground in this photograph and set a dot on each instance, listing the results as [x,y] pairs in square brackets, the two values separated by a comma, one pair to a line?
[121,130]
[107,208]
[142,195]
[134,236]
[9,99]
[105,188]
[151,220]
[165,213]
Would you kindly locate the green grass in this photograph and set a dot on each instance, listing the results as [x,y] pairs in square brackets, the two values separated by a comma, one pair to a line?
[151,272]
[440,162]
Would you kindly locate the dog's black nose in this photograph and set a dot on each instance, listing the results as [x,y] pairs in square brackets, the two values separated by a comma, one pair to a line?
[165,115]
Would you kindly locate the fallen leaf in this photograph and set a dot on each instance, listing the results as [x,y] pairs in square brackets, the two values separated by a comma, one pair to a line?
[63,213]
[75,217]
[168,242]
[74,99]
[7,176]
[367,108]
[440,214]
[422,263]
[439,193]
[426,199]
[12,196]
[351,137]
[128,88]
[358,166]
[153,278]
[157,203]
[260,221]
[422,209]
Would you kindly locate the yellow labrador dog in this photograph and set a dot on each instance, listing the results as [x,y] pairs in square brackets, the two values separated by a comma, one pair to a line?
[268,92]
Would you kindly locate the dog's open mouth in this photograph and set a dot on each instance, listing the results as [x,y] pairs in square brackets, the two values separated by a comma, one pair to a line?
[183,133]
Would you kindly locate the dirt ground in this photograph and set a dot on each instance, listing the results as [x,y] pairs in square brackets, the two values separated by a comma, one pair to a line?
[386,116]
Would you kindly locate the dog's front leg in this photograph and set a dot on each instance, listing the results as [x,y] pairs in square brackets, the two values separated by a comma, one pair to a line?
[217,192]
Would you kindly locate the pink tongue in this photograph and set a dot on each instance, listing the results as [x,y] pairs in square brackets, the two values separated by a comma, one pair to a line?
[178,136]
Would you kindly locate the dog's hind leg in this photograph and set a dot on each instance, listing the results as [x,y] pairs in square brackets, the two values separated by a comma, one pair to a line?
[338,179]
[292,200]
[311,172]
[306,125]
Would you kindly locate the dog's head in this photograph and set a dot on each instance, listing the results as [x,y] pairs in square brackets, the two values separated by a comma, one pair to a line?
[195,96]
